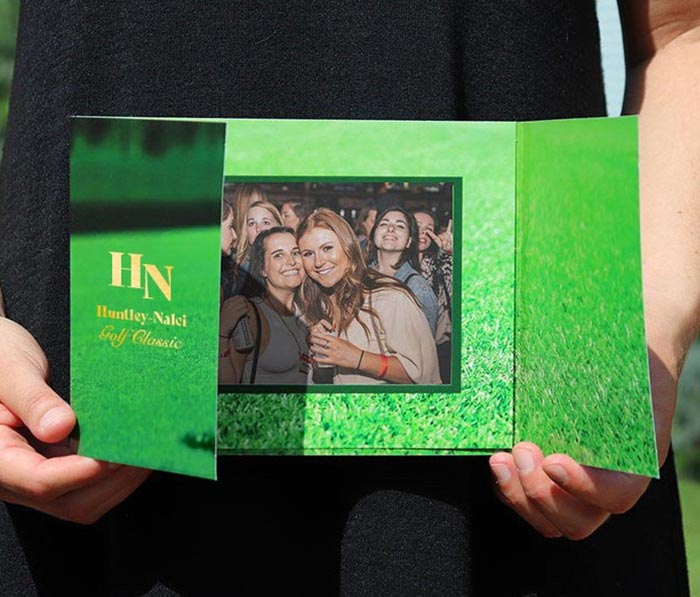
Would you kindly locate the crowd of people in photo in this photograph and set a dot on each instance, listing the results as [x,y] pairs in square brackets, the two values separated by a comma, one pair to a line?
[306,299]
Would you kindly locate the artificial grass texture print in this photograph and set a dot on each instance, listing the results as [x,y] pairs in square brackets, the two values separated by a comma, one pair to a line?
[153,189]
[146,405]
[347,421]
[581,364]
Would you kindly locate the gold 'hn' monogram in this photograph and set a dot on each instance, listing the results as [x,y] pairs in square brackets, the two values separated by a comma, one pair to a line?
[136,279]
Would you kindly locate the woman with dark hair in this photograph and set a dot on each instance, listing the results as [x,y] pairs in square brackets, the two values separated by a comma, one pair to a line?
[436,267]
[368,325]
[392,249]
[408,526]
[279,353]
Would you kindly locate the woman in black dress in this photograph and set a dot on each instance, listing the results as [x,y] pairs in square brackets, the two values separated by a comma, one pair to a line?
[364,526]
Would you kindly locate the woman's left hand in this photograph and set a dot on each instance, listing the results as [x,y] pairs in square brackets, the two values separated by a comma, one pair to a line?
[328,349]
[560,497]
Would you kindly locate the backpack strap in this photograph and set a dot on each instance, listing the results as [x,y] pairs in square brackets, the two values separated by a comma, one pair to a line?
[409,277]
[256,351]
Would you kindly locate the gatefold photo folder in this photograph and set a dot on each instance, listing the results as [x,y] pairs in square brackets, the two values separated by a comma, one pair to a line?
[537,333]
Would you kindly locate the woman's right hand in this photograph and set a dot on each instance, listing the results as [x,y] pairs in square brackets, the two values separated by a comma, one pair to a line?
[37,467]
[329,349]
[322,327]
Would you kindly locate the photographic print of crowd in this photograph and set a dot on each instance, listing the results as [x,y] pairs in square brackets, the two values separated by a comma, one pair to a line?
[334,282]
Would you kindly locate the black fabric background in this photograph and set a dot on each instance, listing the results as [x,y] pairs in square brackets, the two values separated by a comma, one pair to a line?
[288,525]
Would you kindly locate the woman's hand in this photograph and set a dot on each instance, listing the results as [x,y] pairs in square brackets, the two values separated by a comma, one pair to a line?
[37,467]
[560,497]
[555,494]
[443,240]
[329,349]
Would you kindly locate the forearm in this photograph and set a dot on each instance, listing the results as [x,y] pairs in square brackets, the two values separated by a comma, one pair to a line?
[373,366]
[664,89]
[666,92]
[2,304]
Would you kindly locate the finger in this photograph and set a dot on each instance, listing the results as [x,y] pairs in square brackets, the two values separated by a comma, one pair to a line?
[23,389]
[8,418]
[89,504]
[316,339]
[449,226]
[510,492]
[321,348]
[27,395]
[26,473]
[573,517]
[435,238]
[326,325]
[317,349]
[608,490]
[321,337]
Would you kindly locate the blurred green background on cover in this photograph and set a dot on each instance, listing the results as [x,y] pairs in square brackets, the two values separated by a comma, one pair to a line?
[687,423]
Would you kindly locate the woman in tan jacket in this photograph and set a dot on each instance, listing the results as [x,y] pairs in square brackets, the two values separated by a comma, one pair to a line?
[368,325]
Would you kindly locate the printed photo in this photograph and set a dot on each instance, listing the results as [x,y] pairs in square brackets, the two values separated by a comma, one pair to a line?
[346,283]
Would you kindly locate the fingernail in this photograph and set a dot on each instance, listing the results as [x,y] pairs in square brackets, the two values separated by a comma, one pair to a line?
[557,473]
[524,461]
[53,417]
[502,473]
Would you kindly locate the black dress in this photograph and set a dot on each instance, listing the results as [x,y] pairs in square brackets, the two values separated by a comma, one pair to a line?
[378,526]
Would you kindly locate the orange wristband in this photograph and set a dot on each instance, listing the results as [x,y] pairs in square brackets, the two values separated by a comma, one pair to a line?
[384,366]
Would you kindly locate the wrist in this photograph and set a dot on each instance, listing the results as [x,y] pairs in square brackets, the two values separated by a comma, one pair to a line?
[383,366]
[359,361]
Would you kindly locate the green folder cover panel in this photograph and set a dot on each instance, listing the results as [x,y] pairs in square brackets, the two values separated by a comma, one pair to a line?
[581,365]
[145,236]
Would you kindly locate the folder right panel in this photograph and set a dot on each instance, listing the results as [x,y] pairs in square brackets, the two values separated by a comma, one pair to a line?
[581,373]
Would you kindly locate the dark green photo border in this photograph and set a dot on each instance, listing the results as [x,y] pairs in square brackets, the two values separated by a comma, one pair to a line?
[455,386]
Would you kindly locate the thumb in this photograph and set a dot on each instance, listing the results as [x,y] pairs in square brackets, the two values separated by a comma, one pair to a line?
[23,388]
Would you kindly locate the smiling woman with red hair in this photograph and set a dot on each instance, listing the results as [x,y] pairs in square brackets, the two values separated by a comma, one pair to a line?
[368,325]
